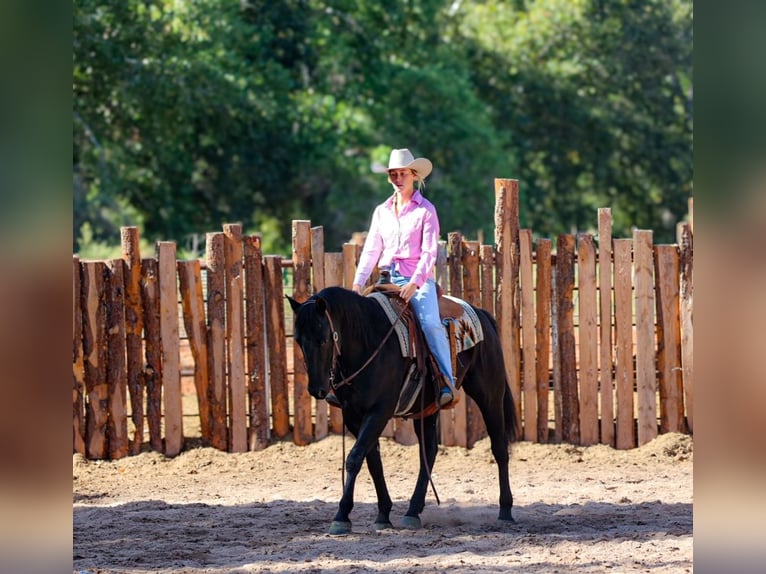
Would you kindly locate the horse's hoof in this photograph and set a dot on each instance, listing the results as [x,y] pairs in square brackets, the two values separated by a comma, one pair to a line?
[412,522]
[506,517]
[378,526]
[337,528]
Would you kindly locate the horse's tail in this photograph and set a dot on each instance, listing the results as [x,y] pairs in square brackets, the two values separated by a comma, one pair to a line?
[509,406]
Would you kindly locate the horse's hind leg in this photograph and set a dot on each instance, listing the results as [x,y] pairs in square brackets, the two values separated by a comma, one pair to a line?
[495,422]
[375,466]
[426,433]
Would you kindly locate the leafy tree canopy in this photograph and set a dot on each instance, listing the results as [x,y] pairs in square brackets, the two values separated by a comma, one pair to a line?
[191,114]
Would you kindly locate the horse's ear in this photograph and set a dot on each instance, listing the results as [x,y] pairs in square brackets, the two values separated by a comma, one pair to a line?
[293,303]
[321,305]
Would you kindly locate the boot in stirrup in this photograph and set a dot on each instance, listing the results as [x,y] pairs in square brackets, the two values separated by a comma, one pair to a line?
[447,393]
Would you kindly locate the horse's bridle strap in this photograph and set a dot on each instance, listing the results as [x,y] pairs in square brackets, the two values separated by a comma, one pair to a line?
[336,349]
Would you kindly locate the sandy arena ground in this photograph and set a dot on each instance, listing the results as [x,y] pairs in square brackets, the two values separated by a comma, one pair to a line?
[577,509]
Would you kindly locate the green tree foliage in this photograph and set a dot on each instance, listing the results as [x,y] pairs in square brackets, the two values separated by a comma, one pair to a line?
[190,114]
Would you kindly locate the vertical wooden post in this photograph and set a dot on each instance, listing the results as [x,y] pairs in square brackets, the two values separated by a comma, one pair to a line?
[588,331]
[606,378]
[321,422]
[94,354]
[302,426]
[333,268]
[349,264]
[543,336]
[623,351]
[555,355]
[570,414]
[488,278]
[150,296]
[646,368]
[441,265]
[216,318]
[78,367]
[235,335]
[190,280]
[116,374]
[447,421]
[258,436]
[275,338]
[528,335]
[669,339]
[507,306]
[474,422]
[685,242]
[171,350]
[134,324]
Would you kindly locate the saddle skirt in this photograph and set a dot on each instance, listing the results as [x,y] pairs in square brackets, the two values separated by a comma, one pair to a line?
[462,328]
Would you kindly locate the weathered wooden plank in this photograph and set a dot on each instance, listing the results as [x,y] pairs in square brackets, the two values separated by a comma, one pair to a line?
[543,335]
[605,373]
[321,418]
[685,242]
[441,266]
[555,358]
[193,304]
[349,263]
[623,357]
[588,343]
[454,258]
[646,368]
[474,422]
[487,254]
[570,414]
[255,333]
[507,262]
[171,349]
[529,381]
[216,320]
[235,336]
[78,367]
[116,369]
[333,274]
[150,298]
[93,306]
[666,267]
[302,426]
[275,338]
[134,324]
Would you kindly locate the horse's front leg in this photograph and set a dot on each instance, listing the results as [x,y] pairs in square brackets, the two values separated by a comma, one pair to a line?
[426,433]
[375,466]
[367,434]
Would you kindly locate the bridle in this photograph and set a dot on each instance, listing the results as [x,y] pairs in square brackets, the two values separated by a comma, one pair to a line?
[336,350]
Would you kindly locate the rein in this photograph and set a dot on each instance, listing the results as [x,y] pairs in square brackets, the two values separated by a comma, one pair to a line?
[336,350]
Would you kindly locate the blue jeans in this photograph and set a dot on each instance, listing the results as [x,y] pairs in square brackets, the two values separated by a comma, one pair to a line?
[426,306]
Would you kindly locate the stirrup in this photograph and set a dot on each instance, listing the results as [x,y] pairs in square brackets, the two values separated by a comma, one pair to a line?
[446,396]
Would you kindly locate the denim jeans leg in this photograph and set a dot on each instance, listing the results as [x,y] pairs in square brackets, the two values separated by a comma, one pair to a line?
[426,305]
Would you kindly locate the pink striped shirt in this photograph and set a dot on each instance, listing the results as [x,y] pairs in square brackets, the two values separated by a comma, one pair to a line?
[408,243]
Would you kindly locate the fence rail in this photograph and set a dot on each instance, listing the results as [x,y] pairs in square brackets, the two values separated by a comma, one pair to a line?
[597,337]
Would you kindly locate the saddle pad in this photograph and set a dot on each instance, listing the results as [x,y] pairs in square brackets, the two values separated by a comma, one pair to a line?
[401,328]
[468,331]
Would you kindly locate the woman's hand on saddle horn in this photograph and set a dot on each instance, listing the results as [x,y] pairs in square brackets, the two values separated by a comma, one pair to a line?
[408,291]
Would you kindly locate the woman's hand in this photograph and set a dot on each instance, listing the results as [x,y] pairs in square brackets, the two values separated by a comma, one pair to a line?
[356,289]
[408,291]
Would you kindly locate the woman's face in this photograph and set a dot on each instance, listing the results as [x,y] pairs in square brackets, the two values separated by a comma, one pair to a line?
[401,179]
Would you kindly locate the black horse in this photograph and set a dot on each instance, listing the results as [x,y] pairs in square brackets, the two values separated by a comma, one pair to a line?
[339,332]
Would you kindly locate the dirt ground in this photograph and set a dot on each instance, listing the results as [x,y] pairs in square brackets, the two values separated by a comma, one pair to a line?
[583,509]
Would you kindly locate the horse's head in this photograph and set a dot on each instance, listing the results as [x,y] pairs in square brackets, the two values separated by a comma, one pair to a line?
[313,334]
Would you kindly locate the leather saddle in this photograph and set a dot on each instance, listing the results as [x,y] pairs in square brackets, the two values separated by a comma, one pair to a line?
[449,311]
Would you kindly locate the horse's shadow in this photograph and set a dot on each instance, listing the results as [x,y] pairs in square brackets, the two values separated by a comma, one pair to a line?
[152,534]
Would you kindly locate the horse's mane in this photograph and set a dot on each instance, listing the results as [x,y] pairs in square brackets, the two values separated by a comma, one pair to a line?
[360,318]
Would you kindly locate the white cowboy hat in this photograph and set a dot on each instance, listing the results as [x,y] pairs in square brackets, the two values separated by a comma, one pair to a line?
[403,159]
